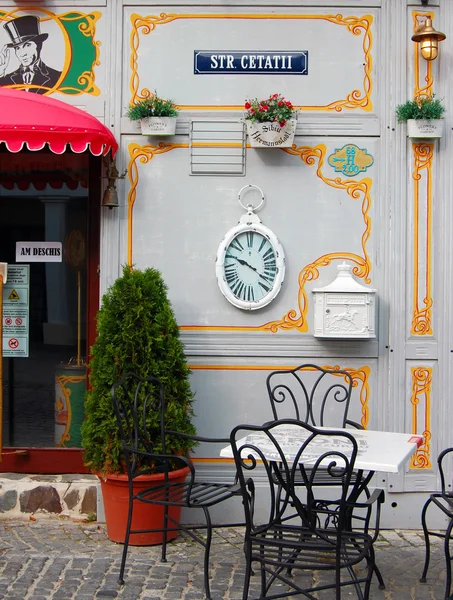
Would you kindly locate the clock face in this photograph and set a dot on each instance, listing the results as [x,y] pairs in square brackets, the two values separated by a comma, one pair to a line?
[250,266]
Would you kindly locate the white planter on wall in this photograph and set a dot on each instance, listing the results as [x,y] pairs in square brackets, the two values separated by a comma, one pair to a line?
[158,125]
[271,135]
[421,128]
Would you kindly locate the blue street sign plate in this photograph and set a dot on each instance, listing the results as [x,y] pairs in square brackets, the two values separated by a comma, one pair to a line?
[236,62]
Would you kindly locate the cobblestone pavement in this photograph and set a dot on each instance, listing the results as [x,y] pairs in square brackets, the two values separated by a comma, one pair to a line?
[66,560]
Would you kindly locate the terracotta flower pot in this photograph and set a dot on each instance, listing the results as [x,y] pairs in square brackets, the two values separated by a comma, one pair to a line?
[115,493]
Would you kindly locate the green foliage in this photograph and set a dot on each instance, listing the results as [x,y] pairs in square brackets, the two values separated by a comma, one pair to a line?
[136,332]
[275,108]
[425,107]
[151,107]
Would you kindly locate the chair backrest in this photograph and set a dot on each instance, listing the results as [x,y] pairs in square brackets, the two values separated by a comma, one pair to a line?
[139,406]
[288,452]
[312,394]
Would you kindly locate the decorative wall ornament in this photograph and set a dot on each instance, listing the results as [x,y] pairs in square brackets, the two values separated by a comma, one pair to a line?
[357,26]
[423,85]
[294,319]
[75,53]
[421,410]
[350,160]
[423,213]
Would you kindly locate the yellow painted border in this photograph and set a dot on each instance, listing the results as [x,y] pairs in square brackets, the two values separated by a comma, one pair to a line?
[294,318]
[359,376]
[356,25]
[421,391]
[88,29]
[423,161]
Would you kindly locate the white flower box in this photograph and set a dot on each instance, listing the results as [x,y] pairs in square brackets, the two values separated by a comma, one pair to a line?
[158,125]
[270,135]
[421,128]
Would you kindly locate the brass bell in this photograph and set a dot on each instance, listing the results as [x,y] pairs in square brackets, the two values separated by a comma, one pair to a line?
[110,197]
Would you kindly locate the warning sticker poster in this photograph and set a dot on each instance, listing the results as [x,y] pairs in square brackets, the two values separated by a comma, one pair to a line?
[16,310]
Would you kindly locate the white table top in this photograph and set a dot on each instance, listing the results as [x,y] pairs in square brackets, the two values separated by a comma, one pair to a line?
[379,451]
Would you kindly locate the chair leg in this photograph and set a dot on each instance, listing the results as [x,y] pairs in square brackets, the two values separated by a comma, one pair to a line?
[379,577]
[164,536]
[427,542]
[248,570]
[207,550]
[126,539]
[448,559]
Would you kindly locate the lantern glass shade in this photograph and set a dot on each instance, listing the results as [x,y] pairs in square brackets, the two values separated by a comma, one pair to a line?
[429,48]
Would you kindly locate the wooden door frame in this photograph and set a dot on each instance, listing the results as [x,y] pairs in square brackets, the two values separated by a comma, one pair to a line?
[69,460]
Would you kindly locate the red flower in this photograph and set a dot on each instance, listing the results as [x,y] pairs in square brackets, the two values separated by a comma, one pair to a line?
[280,103]
[252,111]
[275,96]
[247,105]
[265,107]
[282,123]
[289,105]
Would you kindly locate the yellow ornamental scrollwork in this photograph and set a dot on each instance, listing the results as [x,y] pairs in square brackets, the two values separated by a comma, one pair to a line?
[421,391]
[357,26]
[294,319]
[423,164]
[426,88]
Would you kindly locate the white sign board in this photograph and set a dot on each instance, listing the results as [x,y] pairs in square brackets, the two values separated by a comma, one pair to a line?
[39,252]
[16,311]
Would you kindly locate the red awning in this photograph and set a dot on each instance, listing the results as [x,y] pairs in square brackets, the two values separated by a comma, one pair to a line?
[32,121]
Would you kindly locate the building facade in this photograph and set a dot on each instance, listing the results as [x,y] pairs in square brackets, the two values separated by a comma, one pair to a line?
[352,188]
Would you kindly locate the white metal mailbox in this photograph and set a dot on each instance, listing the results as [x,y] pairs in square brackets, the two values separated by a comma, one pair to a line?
[344,309]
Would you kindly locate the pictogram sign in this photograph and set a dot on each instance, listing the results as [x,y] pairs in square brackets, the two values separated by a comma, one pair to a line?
[13,295]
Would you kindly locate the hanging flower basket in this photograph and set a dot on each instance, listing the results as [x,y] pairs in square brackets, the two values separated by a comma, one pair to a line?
[423,128]
[271,134]
[158,125]
[271,123]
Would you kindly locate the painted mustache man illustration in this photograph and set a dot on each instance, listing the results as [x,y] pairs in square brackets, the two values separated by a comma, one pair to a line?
[26,40]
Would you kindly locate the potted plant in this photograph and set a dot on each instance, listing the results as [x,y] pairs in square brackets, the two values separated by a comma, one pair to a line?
[423,115]
[271,123]
[156,115]
[136,332]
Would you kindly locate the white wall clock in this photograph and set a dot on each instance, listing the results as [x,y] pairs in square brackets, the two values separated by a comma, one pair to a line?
[250,263]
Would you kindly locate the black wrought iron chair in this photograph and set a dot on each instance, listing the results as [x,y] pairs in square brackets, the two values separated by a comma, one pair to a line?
[319,397]
[313,539]
[136,434]
[312,394]
[443,501]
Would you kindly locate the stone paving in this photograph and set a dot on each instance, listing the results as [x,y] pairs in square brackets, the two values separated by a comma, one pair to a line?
[68,560]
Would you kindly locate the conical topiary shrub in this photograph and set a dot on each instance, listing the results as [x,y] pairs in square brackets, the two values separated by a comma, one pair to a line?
[137,332]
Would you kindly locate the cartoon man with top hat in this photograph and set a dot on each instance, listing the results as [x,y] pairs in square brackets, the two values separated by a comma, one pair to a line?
[26,40]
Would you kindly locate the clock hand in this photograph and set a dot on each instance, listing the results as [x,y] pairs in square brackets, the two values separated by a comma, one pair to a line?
[243,262]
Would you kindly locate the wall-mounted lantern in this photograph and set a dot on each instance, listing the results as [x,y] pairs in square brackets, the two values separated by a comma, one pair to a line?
[429,39]
[344,309]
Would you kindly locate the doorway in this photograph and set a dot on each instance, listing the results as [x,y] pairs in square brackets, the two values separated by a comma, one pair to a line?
[49,236]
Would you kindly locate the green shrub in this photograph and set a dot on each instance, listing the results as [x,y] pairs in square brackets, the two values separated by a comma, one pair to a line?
[151,107]
[137,332]
[426,107]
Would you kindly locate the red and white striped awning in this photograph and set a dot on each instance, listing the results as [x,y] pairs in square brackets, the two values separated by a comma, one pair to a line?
[32,121]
